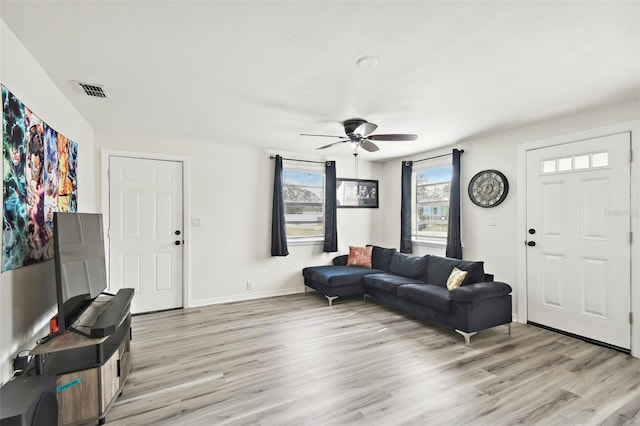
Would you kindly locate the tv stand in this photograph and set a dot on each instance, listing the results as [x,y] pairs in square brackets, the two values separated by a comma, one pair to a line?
[90,372]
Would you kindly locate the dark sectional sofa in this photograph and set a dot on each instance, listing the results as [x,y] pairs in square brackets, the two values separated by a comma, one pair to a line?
[417,285]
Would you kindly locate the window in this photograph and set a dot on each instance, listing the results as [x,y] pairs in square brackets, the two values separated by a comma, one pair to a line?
[579,162]
[431,209]
[304,203]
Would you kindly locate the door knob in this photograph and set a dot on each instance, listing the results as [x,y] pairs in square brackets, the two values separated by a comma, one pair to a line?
[531,243]
[177,232]
[177,243]
[532,231]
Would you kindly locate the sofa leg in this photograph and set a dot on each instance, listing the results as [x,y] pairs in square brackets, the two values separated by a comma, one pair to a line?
[509,329]
[467,336]
[364,298]
[331,299]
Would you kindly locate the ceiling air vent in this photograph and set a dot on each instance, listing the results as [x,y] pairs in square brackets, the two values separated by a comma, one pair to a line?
[93,90]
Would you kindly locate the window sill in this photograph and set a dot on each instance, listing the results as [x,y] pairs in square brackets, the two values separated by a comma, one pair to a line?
[305,242]
[429,242]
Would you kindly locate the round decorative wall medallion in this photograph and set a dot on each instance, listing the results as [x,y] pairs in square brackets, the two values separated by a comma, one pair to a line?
[488,188]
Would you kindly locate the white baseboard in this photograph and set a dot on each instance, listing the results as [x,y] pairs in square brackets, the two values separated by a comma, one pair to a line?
[247,296]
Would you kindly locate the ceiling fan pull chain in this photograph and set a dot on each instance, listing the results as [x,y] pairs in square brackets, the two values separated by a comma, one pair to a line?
[355,156]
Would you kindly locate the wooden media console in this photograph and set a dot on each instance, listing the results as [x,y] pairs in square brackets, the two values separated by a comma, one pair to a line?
[90,372]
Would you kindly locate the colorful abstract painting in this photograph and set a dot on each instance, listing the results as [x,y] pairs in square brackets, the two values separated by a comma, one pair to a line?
[39,178]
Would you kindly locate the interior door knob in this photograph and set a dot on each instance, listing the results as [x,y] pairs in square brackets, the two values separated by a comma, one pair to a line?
[532,231]
[531,243]
[177,242]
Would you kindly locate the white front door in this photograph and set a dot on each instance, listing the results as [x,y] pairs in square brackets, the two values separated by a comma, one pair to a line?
[146,231]
[578,217]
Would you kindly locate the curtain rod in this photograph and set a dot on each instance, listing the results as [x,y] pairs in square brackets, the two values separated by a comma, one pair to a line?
[437,156]
[295,159]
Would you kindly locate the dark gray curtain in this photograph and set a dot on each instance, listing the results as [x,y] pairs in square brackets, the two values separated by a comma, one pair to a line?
[278,230]
[454,242]
[330,216]
[405,208]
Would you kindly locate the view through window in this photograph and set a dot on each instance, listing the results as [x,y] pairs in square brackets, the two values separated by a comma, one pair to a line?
[304,203]
[432,188]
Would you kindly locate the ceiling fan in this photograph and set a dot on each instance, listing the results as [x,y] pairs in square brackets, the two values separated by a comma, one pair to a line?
[358,133]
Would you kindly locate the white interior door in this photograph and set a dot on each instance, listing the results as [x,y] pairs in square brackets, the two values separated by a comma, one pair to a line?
[578,206]
[145,231]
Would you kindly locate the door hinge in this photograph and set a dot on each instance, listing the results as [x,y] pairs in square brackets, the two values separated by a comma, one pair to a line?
[630,237]
[630,317]
[631,156]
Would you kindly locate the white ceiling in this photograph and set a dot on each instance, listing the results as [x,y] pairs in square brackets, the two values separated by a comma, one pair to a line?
[258,73]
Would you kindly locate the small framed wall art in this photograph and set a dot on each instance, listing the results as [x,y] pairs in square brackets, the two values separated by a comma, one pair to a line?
[357,193]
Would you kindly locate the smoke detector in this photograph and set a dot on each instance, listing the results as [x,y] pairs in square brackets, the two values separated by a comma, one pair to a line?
[93,90]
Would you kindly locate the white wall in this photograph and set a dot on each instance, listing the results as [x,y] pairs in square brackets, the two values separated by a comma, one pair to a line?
[496,245]
[231,190]
[28,295]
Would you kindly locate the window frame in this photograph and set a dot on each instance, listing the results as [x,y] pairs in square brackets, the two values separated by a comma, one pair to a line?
[305,167]
[436,240]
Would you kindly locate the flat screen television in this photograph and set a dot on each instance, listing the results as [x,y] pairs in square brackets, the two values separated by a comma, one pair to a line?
[79,262]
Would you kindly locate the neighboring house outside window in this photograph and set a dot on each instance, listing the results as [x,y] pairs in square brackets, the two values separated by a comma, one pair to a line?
[304,203]
[431,203]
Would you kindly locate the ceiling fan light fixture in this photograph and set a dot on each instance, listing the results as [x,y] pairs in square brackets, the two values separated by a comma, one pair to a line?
[367,62]
[358,135]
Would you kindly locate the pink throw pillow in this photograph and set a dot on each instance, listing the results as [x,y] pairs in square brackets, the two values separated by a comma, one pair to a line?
[360,256]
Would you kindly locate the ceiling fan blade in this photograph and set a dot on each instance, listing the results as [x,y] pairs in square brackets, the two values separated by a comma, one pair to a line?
[365,129]
[367,145]
[397,137]
[323,136]
[332,144]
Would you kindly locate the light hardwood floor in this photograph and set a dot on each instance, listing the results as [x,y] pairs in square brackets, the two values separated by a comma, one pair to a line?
[295,361]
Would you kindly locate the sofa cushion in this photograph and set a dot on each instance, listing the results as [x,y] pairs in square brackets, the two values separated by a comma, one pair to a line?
[456,278]
[336,276]
[432,296]
[360,256]
[387,282]
[381,258]
[440,268]
[410,266]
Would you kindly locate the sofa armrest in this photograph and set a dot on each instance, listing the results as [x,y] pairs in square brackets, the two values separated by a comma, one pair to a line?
[341,260]
[479,291]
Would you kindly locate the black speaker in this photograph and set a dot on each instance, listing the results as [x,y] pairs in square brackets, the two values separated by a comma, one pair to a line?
[29,401]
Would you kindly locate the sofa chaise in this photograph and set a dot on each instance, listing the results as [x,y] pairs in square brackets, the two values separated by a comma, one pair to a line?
[418,285]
